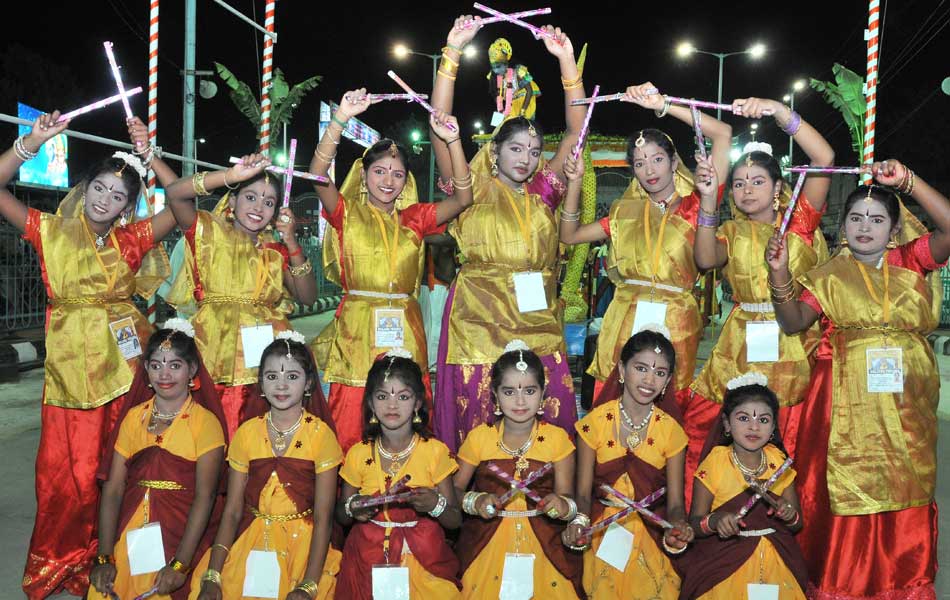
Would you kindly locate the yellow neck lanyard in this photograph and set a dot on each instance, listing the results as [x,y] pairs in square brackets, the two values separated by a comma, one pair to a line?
[654,251]
[383,490]
[885,302]
[392,248]
[110,277]
[759,274]
[524,221]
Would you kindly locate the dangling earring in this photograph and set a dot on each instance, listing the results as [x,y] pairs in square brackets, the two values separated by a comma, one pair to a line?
[373,420]
[307,394]
[123,220]
[727,434]
[363,189]
[493,161]
[776,204]
[191,383]
[229,215]
[842,239]
[541,409]
[620,378]
[416,419]
[892,243]
[498,412]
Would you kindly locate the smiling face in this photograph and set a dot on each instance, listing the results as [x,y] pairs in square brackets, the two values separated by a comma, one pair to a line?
[754,190]
[519,395]
[868,227]
[653,168]
[646,375]
[169,374]
[254,205]
[518,157]
[751,424]
[385,180]
[283,381]
[106,198]
[394,403]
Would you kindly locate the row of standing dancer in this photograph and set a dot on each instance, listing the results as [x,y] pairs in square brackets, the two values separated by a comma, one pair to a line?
[848,331]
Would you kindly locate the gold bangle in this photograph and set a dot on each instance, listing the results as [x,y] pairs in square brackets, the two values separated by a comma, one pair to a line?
[177,565]
[449,67]
[103,559]
[448,75]
[572,82]
[226,184]
[448,58]
[323,156]
[198,182]
[212,576]
[300,270]
[309,586]
[574,86]
[222,546]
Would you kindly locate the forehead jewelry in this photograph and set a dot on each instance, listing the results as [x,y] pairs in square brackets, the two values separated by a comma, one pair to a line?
[867,199]
[288,349]
[122,168]
[641,141]
[389,367]
[531,130]
[166,344]
[749,162]
[521,365]
[393,150]
[657,349]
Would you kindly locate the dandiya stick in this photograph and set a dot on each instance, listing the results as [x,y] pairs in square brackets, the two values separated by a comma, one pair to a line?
[537,31]
[267,66]
[649,514]
[698,128]
[645,502]
[289,171]
[382,97]
[517,15]
[118,79]
[791,206]
[520,485]
[281,171]
[147,594]
[585,129]
[152,90]
[765,487]
[416,97]
[99,104]
[811,169]
[377,500]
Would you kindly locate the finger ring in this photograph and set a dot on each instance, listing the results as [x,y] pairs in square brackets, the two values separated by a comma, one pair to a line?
[284,219]
[553,512]
[490,510]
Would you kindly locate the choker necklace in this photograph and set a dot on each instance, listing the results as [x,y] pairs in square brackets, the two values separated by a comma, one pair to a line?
[665,204]
[634,440]
[395,458]
[750,474]
[280,436]
[162,417]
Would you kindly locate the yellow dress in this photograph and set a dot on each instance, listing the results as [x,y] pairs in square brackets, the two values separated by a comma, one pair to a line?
[723,479]
[193,433]
[649,573]
[482,579]
[251,451]
[428,465]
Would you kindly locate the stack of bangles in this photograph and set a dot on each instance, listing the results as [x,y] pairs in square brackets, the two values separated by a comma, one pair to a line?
[782,293]
[145,155]
[583,521]
[227,183]
[309,587]
[348,506]
[463,183]
[661,112]
[572,84]
[301,270]
[322,156]
[21,151]
[449,67]
[906,186]
[707,220]
[198,182]
[469,500]
[439,507]
[794,124]
[571,217]
[212,576]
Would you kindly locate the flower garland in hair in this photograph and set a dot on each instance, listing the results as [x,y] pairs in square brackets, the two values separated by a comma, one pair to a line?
[750,378]
[398,353]
[180,325]
[131,160]
[293,336]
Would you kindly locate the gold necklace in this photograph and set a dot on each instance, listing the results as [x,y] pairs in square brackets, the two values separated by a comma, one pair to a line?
[746,471]
[395,458]
[664,204]
[634,439]
[280,436]
[521,463]
[160,416]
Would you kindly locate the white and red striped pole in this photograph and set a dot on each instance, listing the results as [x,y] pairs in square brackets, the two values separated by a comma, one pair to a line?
[870,86]
[270,8]
[152,89]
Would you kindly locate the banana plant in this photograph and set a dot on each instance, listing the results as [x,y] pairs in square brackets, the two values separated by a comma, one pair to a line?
[847,95]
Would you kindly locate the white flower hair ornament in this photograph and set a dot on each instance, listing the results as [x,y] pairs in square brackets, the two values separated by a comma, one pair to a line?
[180,325]
[132,161]
[518,346]
[399,353]
[750,378]
[293,336]
[657,328]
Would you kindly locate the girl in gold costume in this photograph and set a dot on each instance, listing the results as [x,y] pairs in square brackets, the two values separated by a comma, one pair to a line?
[379,242]
[243,281]
[867,458]
[506,287]
[750,339]
[95,254]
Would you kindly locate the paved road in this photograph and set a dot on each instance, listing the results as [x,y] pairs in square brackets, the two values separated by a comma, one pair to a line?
[19,437]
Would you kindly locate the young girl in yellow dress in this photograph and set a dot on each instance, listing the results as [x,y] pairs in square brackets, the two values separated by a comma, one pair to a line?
[243,281]
[95,253]
[165,470]
[516,544]
[636,447]
[651,228]
[274,537]
[377,237]
[734,552]
[407,536]
[760,198]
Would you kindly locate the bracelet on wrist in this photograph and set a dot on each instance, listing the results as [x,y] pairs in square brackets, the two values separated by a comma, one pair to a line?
[671,549]
[439,507]
[176,565]
[309,587]
[661,112]
[301,269]
[212,576]
[296,252]
[704,525]
[794,124]
[342,124]
[20,149]
[103,559]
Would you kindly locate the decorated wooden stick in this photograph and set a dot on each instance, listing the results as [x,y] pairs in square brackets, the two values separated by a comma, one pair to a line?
[791,205]
[698,128]
[152,91]
[517,15]
[416,97]
[585,129]
[281,171]
[811,169]
[520,485]
[594,100]
[537,31]
[118,79]
[149,593]
[765,487]
[289,172]
[382,97]
[645,502]
[384,499]
[643,510]
[99,104]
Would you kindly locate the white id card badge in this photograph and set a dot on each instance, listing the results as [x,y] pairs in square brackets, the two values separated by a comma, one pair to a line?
[885,370]
[616,546]
[648,313]
[253,341]
[497,118]
[517,578]
[146,551]
[125,336]
[390,582]
[261,575]
[529,290]
[389,327]
[761,341]
[763,591]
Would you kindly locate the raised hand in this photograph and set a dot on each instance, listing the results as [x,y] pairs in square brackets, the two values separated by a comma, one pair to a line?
[353,103]
[138,133]
[574,169]
[439,121]
[776,253]
[559,45]
[756,108]
[463,31]
[250,166]
[645,95]
[286,225]
[707,178]
[889,172]
[44,129]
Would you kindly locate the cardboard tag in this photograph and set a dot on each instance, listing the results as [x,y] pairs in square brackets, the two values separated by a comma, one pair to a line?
[616,546]
[123,331]
[145,548]
[763,591]
[390,582]
[253,341]
[497,118]
[389,327]
[648,313]
[885,369]
[517,578]
[529,290]
[761,341]
[261,574]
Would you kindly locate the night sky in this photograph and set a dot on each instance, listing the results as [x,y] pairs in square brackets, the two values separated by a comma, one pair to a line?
[350,45]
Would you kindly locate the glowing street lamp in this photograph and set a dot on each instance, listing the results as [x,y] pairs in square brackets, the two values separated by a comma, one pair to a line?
[685,49]
[797,86]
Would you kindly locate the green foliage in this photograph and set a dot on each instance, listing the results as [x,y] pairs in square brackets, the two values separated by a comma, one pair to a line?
[847,95]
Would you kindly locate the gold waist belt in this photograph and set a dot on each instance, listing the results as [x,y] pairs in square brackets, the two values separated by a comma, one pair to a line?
[86,300]
[231,300]
[280,518]
[161,485]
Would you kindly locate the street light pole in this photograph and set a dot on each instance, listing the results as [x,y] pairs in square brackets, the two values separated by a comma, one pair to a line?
[685,49]
[722,59]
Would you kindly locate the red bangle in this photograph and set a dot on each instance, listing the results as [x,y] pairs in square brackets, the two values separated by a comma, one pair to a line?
[296,252]
[704,524]
[798,517]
